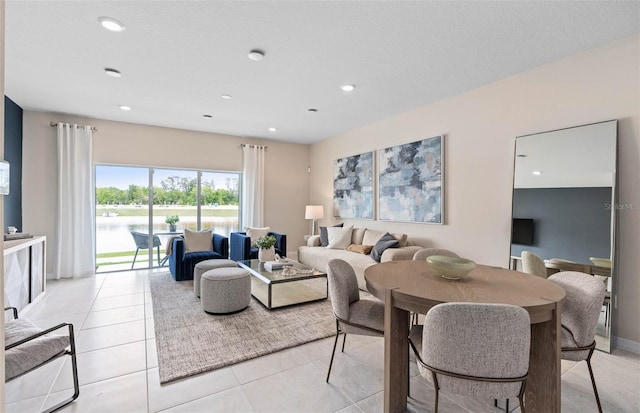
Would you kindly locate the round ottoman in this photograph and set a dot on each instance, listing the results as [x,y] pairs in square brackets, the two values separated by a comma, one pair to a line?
[225,290]
[206,265]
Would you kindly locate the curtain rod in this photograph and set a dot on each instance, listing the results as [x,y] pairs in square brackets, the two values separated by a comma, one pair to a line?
[252,146]
[54,124]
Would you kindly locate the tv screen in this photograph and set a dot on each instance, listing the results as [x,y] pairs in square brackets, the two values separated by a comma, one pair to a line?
[522,231]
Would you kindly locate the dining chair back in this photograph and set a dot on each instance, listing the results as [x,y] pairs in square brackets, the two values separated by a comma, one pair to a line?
[532,264]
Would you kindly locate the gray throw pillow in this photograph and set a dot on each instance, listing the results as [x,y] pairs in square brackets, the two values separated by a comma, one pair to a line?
[387,241]
[324,237]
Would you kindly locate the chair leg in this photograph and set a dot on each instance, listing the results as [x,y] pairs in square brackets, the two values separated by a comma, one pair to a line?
[134,258]
[158,256]
[74,369]
[333,353]
[344,340]
[593,381]
[437,389]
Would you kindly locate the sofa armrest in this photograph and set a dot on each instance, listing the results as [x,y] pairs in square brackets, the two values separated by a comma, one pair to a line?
[399,254]
[313,241]
[240,245]
[221,245]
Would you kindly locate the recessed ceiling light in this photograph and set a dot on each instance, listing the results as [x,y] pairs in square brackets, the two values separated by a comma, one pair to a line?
[537,172]
[312,110]
[112,24]
[125,107]
[348,88]
[112,72]
[256,55]
[226,97]
[207,116]
[272,129]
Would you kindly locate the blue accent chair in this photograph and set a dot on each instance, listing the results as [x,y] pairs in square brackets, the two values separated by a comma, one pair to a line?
[241,246]
[181,264]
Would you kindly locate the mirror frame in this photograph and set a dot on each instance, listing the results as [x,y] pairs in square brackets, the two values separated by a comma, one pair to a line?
[605,344]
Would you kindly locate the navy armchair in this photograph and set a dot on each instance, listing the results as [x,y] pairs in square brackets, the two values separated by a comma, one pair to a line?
[241,246]
[181,264]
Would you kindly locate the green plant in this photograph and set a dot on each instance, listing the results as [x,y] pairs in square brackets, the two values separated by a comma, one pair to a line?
[172,219]
[266,242]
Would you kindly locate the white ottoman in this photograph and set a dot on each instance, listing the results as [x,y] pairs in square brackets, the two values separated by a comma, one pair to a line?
[225,290]
[206,265]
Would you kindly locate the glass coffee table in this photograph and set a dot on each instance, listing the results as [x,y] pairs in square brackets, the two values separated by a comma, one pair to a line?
[274,289]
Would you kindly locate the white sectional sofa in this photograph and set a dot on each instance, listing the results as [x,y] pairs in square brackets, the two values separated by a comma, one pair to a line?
[318,257]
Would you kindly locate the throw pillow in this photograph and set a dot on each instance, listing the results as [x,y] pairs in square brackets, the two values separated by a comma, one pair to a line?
[387,241]
[358,236]
[198,241]
[360,249]
[339,238]
[324,239]
[255,233]
[372,237]
[402,239]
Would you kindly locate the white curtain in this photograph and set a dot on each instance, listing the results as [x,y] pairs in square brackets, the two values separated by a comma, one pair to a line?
[253,186]
[75,224]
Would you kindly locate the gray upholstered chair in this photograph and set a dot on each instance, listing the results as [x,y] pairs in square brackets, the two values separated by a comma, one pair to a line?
[353,315]
[479,350]
[532,264]
[579,318]
[28,347]
[423,254]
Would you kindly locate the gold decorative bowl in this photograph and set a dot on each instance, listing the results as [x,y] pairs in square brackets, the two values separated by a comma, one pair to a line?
[451,268]
[601,262]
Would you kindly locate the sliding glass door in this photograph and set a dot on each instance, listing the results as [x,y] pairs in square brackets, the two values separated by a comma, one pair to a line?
[139,210]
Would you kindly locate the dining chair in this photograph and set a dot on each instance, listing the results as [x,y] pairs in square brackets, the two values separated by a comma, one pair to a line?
[580,313]
[472,349]
[425,253]
[532,264]
[353,315]
[28,347]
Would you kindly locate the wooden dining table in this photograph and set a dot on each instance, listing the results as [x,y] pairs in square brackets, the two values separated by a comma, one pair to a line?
[413,286]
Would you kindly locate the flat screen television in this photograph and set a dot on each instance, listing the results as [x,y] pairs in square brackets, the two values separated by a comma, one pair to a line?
[522,231]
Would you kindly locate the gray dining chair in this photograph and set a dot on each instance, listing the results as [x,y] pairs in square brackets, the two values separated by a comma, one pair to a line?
[353,315]
[532,264]
[580,313]
[479,350]
[425,253]
[142,243]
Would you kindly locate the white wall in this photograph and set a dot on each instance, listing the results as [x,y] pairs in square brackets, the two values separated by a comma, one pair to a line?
[286,176]
[480,127]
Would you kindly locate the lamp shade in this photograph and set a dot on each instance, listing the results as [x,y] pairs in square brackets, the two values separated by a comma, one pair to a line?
[314,212]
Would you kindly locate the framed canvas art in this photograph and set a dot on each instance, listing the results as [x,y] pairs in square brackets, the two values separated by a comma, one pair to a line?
[410,182]
[353,186]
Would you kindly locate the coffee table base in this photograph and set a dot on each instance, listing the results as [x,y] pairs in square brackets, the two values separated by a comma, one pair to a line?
[290,293]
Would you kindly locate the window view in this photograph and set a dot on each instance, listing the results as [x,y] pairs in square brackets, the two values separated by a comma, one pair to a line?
[180,199]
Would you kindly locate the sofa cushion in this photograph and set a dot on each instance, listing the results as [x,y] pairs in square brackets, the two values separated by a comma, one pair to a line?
[324,239]
[255,233]
[358,235]
[371,237]
[387,241]
[339,238]
[360,249]
[198,240]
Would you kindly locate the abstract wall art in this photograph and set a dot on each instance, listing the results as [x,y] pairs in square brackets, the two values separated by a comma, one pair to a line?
[411,182]
[353,186]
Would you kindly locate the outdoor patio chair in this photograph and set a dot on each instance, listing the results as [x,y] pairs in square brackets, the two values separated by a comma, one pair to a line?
[142,243]
[28,347]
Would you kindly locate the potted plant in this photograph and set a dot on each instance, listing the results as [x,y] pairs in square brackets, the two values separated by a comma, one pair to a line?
[266,250]
[171,220]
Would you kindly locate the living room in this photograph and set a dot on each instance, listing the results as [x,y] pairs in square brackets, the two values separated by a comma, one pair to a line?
[479,124]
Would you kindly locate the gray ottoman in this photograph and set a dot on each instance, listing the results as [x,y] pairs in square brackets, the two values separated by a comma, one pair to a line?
[225,290]
[206,265]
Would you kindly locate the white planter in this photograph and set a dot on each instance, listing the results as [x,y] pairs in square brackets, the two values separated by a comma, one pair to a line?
[266,254]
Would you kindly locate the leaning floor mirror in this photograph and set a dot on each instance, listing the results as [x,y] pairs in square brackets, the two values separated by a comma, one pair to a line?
[564,194]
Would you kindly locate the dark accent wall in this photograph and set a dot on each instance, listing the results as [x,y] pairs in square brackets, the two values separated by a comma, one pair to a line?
[13,155]
[569,223]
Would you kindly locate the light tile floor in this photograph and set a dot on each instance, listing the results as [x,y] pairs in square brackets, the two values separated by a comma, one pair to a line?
[118,367]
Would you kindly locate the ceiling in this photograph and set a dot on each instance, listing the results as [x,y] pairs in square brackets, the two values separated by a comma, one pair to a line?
[178,57]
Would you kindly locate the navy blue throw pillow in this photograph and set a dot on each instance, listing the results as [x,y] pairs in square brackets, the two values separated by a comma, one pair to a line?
[324,237]
[387,241]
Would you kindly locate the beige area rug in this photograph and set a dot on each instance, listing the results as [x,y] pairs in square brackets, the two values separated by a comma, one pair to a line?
[190,341]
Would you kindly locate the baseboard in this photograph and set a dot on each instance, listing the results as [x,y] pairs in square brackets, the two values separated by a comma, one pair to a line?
[624,344]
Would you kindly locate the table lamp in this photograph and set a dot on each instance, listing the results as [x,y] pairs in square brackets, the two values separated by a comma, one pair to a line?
[314,212]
